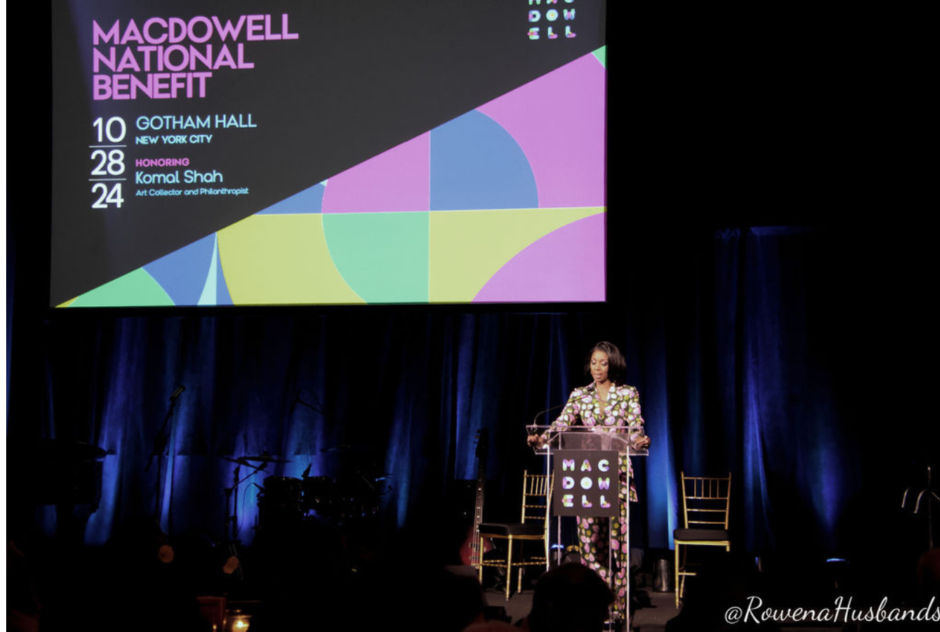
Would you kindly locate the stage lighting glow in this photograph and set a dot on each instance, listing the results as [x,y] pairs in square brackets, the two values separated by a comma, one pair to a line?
[239,622]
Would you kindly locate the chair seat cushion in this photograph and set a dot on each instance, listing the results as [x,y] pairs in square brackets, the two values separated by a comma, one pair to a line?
[700,535]
[511,528]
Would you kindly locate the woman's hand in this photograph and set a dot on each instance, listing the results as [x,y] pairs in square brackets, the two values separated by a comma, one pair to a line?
[537,441]
[641,443]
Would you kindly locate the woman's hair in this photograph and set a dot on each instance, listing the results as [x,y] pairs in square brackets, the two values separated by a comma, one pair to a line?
[616,365]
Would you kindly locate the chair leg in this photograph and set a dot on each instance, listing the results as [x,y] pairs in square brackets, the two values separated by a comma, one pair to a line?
[509,569]
[676,587]
[685,572]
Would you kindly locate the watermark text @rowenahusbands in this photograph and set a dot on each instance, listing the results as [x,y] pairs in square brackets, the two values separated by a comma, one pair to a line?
[842,611]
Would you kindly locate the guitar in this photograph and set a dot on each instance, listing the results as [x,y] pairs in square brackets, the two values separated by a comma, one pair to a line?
[470,553]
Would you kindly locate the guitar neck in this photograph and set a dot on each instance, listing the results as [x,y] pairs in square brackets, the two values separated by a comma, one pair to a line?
[475,554]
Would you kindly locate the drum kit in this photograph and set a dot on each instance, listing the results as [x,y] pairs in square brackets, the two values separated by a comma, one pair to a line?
[284,499]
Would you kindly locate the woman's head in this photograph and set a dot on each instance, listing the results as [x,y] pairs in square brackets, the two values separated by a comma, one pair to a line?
[605,361]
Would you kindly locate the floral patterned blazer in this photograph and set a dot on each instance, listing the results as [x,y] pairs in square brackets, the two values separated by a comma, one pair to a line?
[620,411]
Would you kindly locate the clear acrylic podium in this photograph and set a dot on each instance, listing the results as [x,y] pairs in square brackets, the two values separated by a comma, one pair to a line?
[584,441]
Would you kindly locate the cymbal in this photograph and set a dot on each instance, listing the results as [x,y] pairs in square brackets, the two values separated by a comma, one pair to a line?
[262,458]
[59,450]
[350,448]
[231,460]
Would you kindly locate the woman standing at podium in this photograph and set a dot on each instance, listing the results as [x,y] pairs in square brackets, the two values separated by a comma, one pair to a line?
[607,405]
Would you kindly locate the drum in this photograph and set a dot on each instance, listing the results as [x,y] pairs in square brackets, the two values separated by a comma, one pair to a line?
[357,496]
[320,494]
[282,494]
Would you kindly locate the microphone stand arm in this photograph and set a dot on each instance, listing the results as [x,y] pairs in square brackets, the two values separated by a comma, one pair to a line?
[160,441]
[231,519]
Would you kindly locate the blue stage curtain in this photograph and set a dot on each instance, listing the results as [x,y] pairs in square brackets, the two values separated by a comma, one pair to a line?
[738,341]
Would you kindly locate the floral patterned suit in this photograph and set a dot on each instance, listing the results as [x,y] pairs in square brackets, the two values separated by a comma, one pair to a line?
[619,413]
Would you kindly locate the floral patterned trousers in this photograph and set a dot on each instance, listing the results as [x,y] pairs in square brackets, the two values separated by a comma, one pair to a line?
[594,534]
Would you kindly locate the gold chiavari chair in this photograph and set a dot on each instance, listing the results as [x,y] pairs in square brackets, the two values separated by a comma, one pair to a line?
[706,503]
[536,495]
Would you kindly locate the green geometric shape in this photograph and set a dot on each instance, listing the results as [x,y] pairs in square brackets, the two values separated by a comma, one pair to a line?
[382,256]
[601,54]
[210,288]
[135,288]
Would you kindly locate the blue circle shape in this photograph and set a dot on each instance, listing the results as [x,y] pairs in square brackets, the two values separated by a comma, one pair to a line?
[476,164]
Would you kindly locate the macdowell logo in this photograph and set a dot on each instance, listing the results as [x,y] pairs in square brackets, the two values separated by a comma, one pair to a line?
[552,18]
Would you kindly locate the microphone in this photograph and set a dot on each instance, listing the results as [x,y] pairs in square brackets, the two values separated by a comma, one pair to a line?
[534,432]
[179,391]
[547,410]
